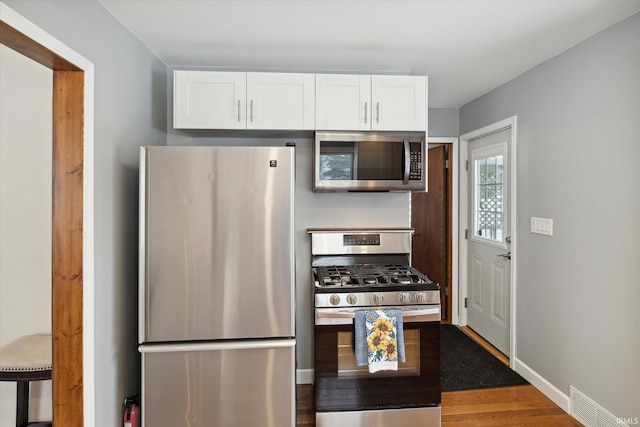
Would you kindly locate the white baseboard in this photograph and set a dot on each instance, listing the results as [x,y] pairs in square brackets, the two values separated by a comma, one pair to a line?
[304,376]
[548,389]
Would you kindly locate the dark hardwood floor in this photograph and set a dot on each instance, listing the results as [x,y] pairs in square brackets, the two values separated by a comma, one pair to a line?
[505,406]
[305,410]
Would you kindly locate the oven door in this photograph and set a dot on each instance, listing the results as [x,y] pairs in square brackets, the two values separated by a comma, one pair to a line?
[341,385]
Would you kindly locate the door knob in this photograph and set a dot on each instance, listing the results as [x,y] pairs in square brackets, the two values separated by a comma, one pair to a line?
[507,255]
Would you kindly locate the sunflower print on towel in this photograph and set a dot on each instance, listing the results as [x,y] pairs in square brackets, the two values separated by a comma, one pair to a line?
[382,345]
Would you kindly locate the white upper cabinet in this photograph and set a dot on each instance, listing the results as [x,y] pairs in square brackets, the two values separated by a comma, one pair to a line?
[237,100]
[297,101]
[209,100]
[280,101]
[343,102]
[360,102]
[399,103]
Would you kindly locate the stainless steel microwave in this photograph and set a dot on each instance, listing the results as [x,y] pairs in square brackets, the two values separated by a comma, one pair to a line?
[369,161]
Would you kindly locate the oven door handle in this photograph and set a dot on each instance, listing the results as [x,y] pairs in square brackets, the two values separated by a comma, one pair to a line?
[335,317]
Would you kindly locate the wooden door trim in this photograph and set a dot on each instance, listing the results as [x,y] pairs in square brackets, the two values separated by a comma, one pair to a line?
[28,47]
[450,221]
[453,208]
[67,280]
[72,213]
[431,218]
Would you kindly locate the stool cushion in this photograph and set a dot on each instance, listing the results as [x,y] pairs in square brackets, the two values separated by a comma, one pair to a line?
[26,354]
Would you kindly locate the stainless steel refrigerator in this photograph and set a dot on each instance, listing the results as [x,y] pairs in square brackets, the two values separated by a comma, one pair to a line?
[216,302]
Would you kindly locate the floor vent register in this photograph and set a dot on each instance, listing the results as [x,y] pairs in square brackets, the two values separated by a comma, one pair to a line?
[591,414]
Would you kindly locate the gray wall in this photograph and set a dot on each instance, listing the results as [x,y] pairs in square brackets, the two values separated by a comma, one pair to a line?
[130,110]
[444,122]
[578,318]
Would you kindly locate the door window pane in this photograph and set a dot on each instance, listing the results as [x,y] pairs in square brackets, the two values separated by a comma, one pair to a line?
[489,202]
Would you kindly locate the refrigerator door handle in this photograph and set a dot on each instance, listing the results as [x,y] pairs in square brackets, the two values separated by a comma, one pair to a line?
[215,346]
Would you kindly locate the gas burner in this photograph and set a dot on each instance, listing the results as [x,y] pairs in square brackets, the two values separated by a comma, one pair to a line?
[337,279]
[401,279]
[369,280]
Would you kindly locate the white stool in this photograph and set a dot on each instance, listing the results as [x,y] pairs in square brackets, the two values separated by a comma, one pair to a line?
[24,360]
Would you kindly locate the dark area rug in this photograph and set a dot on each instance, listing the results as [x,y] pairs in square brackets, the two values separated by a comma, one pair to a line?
[464,365]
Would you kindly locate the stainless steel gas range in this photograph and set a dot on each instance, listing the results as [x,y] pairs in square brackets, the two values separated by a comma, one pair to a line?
[369,269]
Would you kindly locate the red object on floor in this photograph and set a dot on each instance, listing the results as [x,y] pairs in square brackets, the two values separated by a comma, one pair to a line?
[131,412]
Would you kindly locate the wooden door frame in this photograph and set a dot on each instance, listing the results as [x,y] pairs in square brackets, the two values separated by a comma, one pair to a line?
[509,123]
[452,211]
[72,216]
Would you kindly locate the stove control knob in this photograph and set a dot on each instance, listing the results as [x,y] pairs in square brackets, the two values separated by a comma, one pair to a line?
[404,297]
[378,298]
[352,299]
[334,299]
[421,297]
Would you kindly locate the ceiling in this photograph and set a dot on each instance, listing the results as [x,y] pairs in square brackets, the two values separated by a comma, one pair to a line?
[466,47]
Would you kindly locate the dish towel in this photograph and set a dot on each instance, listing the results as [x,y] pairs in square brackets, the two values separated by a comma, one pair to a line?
[379,339]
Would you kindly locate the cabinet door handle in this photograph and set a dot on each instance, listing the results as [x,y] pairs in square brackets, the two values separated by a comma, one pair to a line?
[251,110]
[239,117]
[366,105]
[377,112]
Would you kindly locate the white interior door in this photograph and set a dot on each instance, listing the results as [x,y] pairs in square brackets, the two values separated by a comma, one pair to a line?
[489,245]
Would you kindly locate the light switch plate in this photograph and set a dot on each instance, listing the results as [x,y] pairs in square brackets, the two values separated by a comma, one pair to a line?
[542,226]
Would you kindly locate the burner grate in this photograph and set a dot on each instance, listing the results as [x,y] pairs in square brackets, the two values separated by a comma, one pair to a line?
[368,275]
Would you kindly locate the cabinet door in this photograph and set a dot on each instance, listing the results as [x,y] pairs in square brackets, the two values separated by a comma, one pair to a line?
[209,100]
[280,101]
[399,103]
[343,102]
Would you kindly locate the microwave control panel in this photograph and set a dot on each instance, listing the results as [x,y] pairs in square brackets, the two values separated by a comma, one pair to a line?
[415,162]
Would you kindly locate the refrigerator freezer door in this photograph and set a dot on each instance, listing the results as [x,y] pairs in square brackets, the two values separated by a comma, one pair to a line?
[217,243]
[201,386]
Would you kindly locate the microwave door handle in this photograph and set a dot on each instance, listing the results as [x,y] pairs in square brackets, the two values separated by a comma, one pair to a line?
[407,162]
